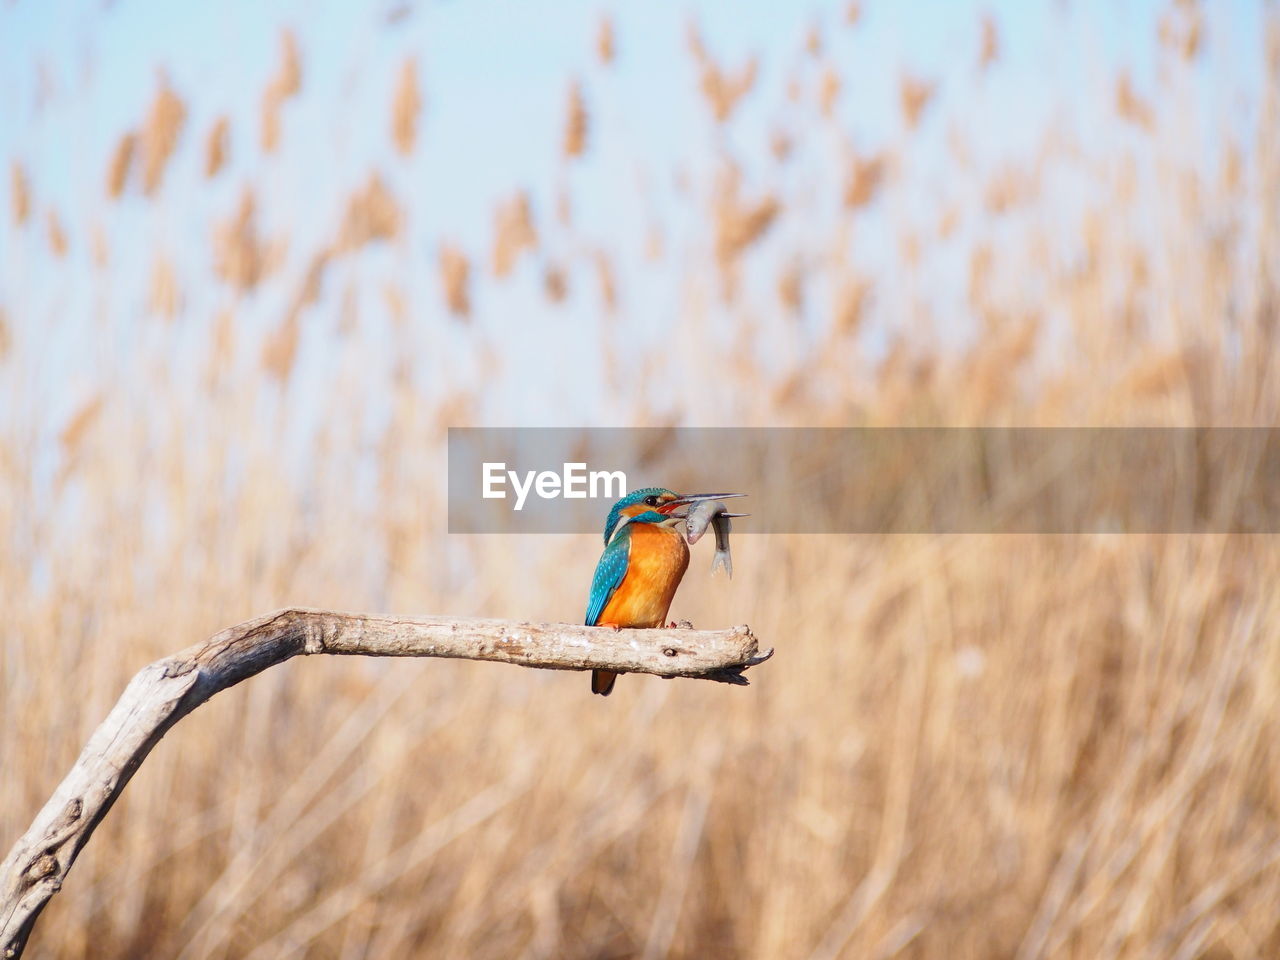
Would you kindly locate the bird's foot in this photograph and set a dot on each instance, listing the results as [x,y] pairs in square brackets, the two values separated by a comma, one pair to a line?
[681,625]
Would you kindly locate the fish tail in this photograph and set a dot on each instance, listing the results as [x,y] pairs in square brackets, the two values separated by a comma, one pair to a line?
[602,682]
[722,559]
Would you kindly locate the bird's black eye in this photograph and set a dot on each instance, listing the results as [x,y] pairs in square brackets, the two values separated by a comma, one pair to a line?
[651,500]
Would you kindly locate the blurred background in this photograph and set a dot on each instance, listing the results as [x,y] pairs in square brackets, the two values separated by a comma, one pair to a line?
[255,260]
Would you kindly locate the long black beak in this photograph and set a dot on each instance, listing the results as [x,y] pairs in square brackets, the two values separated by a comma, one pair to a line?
[689,499]
[700,497]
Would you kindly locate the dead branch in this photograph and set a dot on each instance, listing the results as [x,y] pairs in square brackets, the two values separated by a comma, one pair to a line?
[164,692]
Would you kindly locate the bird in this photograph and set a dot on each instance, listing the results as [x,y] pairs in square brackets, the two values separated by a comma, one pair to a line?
[644,559]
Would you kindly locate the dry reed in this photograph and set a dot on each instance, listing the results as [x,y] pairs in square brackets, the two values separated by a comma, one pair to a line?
[20,193]
[722,89]
[866,174]
[914,96]
[967,746]
[239,256]
[555,284]
[455,280]
[372,214]
[57,235]
[575,127]
[159,137]
[165,298]
[406,107]
[1130,105]
[608,283]
[606,44]
[513,232]
[121,162]
[280,348]
[989,49]
[286,83]
[217,146]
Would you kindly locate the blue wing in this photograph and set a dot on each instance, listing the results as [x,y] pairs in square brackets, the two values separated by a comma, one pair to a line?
[610,572]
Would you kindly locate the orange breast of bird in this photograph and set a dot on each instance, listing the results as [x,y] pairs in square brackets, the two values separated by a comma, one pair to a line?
[657,560]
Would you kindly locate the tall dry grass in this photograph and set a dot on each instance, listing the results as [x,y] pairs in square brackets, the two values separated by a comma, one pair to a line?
[966,746]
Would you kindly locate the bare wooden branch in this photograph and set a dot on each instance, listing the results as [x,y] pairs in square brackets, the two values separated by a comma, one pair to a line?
[164,692]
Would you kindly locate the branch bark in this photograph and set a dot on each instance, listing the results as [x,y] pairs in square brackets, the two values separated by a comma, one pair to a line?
[164,692]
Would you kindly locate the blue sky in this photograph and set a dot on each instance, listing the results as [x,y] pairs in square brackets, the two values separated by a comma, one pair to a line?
[74,76]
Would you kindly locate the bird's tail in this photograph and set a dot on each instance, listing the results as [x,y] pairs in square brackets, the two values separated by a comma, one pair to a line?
[602,682]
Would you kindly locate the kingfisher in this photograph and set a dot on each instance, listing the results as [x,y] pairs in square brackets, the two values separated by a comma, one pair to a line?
[644,558]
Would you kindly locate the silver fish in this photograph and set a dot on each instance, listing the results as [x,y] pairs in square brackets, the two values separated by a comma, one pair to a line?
[715,513]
